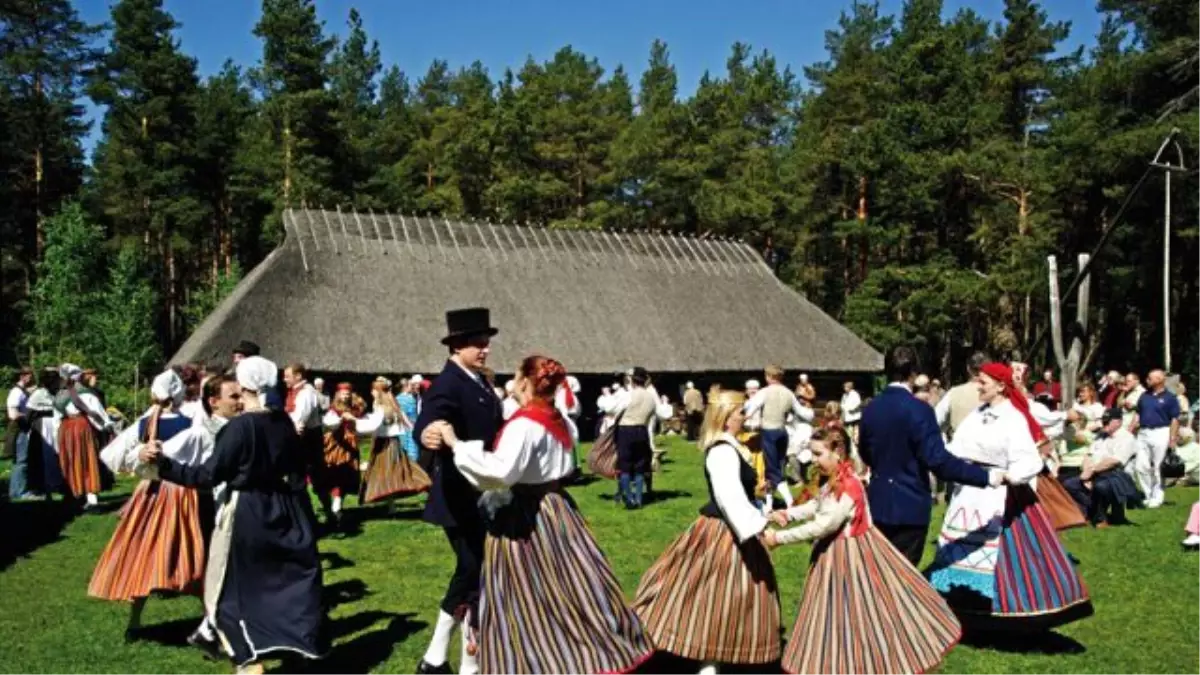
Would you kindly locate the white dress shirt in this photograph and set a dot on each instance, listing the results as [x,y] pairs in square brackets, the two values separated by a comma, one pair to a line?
[307,411]
[851,407]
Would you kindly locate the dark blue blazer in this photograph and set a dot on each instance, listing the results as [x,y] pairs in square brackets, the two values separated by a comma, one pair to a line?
[474,412]
[900,440]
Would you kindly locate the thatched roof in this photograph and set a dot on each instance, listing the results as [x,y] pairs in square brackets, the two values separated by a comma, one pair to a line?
[367,293]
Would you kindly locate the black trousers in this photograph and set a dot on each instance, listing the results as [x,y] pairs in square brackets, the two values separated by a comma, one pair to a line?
[908,539]
[694,420]
[463,591]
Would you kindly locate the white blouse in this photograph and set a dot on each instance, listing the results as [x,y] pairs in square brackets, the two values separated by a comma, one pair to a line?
[526,453]
[825,515]
[194,410]
[371,425]
[121,455]
[99,417]
[997,435]
[724,467]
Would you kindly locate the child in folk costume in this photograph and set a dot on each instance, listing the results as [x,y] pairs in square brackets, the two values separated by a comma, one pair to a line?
[83,419]
[866,608]
[158,545]
[712,595]
[550,602]
[999,560]
[339,474]
[391,473]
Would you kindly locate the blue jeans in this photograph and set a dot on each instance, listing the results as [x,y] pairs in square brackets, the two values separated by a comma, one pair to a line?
[17,482]
[630,488]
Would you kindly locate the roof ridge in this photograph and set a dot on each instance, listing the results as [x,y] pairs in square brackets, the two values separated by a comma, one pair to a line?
[445,237]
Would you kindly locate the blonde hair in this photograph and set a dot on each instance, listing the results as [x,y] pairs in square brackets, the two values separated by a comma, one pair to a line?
[386,401]
[774,373]
[720,407]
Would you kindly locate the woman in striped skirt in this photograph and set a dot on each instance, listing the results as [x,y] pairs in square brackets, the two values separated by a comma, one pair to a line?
[712,596]
[999,561]
[391,473]
[550,602]
[158,545]
[865,608]
[338,475]
[83,419]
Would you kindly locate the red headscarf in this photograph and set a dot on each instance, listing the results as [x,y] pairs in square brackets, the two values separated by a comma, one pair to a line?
[1004,375]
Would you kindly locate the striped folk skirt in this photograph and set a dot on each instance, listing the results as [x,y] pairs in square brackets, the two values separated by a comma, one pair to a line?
[866,609]
[338,473]
[1001,565]
[551,603]
[392,473]
[158,546]
[78,455]
[709,599]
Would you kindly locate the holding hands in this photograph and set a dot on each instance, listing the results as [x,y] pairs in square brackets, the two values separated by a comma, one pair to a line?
[779,517]
[438,435]
[148,452]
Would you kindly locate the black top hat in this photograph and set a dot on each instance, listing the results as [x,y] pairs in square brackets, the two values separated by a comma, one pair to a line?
[247,348]
[462,323]
[1110,415]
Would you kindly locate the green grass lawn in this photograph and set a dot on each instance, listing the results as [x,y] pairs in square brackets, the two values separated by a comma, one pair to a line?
[385,579]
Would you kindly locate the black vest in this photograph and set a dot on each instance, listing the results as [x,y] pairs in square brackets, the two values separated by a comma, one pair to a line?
[746,474]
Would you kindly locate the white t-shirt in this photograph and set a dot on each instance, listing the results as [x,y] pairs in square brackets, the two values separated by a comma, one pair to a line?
[17,398]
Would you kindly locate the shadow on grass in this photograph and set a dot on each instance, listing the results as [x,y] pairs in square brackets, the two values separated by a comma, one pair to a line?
[30,526]
[663,496]
[363,653]
[1048,642]
[171,633]
[334,561]
[344,593]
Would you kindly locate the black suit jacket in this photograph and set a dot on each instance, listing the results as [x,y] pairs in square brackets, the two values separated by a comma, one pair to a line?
[474,411]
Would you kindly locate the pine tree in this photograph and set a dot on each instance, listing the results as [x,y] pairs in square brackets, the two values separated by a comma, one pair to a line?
[299,144]
[352,81]
[44,55]
[224,112]
[391,142]
[145,166]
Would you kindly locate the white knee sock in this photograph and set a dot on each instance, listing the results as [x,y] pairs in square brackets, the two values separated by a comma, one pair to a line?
[708,668]
[337,504]
[469,665]
[92,500]
[768,503]
[786,493]
[439,646]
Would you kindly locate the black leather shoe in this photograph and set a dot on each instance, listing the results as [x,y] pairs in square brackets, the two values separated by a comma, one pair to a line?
[425,667]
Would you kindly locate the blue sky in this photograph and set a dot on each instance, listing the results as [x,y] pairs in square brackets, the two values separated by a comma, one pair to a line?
[502,33]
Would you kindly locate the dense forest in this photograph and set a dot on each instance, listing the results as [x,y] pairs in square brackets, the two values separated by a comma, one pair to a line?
[911,185]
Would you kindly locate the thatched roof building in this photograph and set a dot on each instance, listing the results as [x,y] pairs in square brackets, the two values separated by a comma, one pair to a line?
[366,293]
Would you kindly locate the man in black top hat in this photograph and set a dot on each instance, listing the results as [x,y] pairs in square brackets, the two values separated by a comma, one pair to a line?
[462,398]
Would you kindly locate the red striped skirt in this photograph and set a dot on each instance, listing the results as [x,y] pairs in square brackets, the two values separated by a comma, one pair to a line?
[550,602]
[709,599]
[78,455]
[866,609]
[158,545]
[392,473]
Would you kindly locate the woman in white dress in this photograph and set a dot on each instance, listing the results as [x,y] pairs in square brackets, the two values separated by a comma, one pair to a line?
[999,560]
